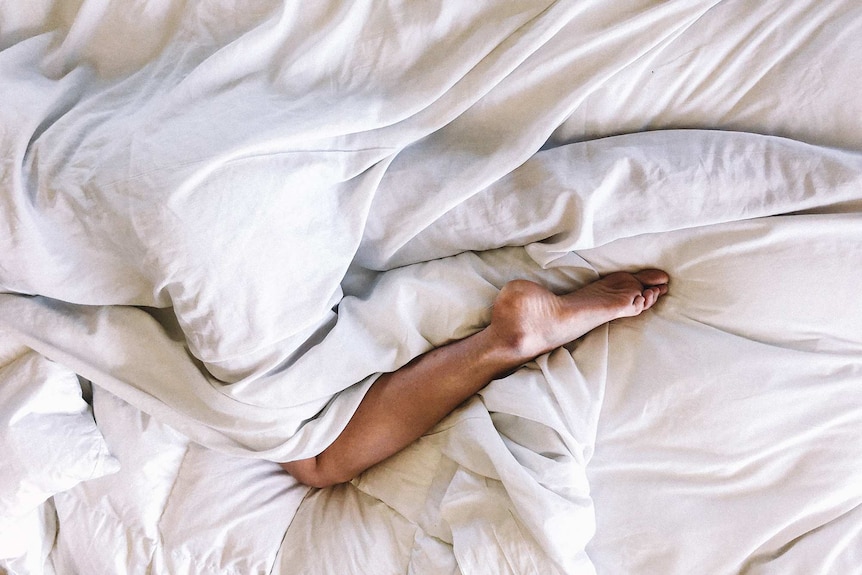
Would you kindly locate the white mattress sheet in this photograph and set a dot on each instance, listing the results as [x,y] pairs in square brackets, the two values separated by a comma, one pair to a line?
[174,507]
[755,328]
[126,158]
[728,439]
[729,442]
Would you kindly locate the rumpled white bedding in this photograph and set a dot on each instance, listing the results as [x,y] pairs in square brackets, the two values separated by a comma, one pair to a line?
[254,169]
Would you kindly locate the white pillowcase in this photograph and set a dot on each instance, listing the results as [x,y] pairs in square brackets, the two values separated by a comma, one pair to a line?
[49,441]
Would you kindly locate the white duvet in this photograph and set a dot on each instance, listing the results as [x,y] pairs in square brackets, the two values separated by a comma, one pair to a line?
[257,174]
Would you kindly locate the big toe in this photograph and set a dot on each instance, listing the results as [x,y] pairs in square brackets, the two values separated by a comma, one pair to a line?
[652,277]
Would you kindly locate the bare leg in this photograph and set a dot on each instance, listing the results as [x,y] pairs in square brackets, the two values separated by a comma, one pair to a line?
[527,321]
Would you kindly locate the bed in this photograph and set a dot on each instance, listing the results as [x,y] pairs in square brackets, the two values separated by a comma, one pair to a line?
[221,221]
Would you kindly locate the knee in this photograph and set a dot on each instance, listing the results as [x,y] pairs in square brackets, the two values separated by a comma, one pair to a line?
[311,473]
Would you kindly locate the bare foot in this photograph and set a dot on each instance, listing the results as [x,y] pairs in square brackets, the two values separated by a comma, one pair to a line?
[532,320]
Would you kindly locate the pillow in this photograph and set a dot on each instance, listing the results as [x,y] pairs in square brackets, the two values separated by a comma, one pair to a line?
[49,441]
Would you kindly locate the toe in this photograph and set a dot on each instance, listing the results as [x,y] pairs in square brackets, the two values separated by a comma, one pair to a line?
[651,295]
[652,277]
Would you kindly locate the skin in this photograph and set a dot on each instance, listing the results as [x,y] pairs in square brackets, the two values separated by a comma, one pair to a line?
[527,321]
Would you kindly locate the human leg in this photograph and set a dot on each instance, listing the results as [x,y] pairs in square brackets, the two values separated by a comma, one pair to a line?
[527,320]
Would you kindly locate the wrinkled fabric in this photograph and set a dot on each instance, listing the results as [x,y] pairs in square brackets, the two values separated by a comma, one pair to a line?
[237,223]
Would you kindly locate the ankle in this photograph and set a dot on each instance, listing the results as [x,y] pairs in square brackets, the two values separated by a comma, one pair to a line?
[512,347]
[501,352]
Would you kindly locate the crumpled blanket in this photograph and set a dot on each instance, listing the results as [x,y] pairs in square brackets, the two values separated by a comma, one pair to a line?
[236,227]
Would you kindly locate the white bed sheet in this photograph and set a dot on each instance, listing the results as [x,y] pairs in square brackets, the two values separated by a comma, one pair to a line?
[620,438]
